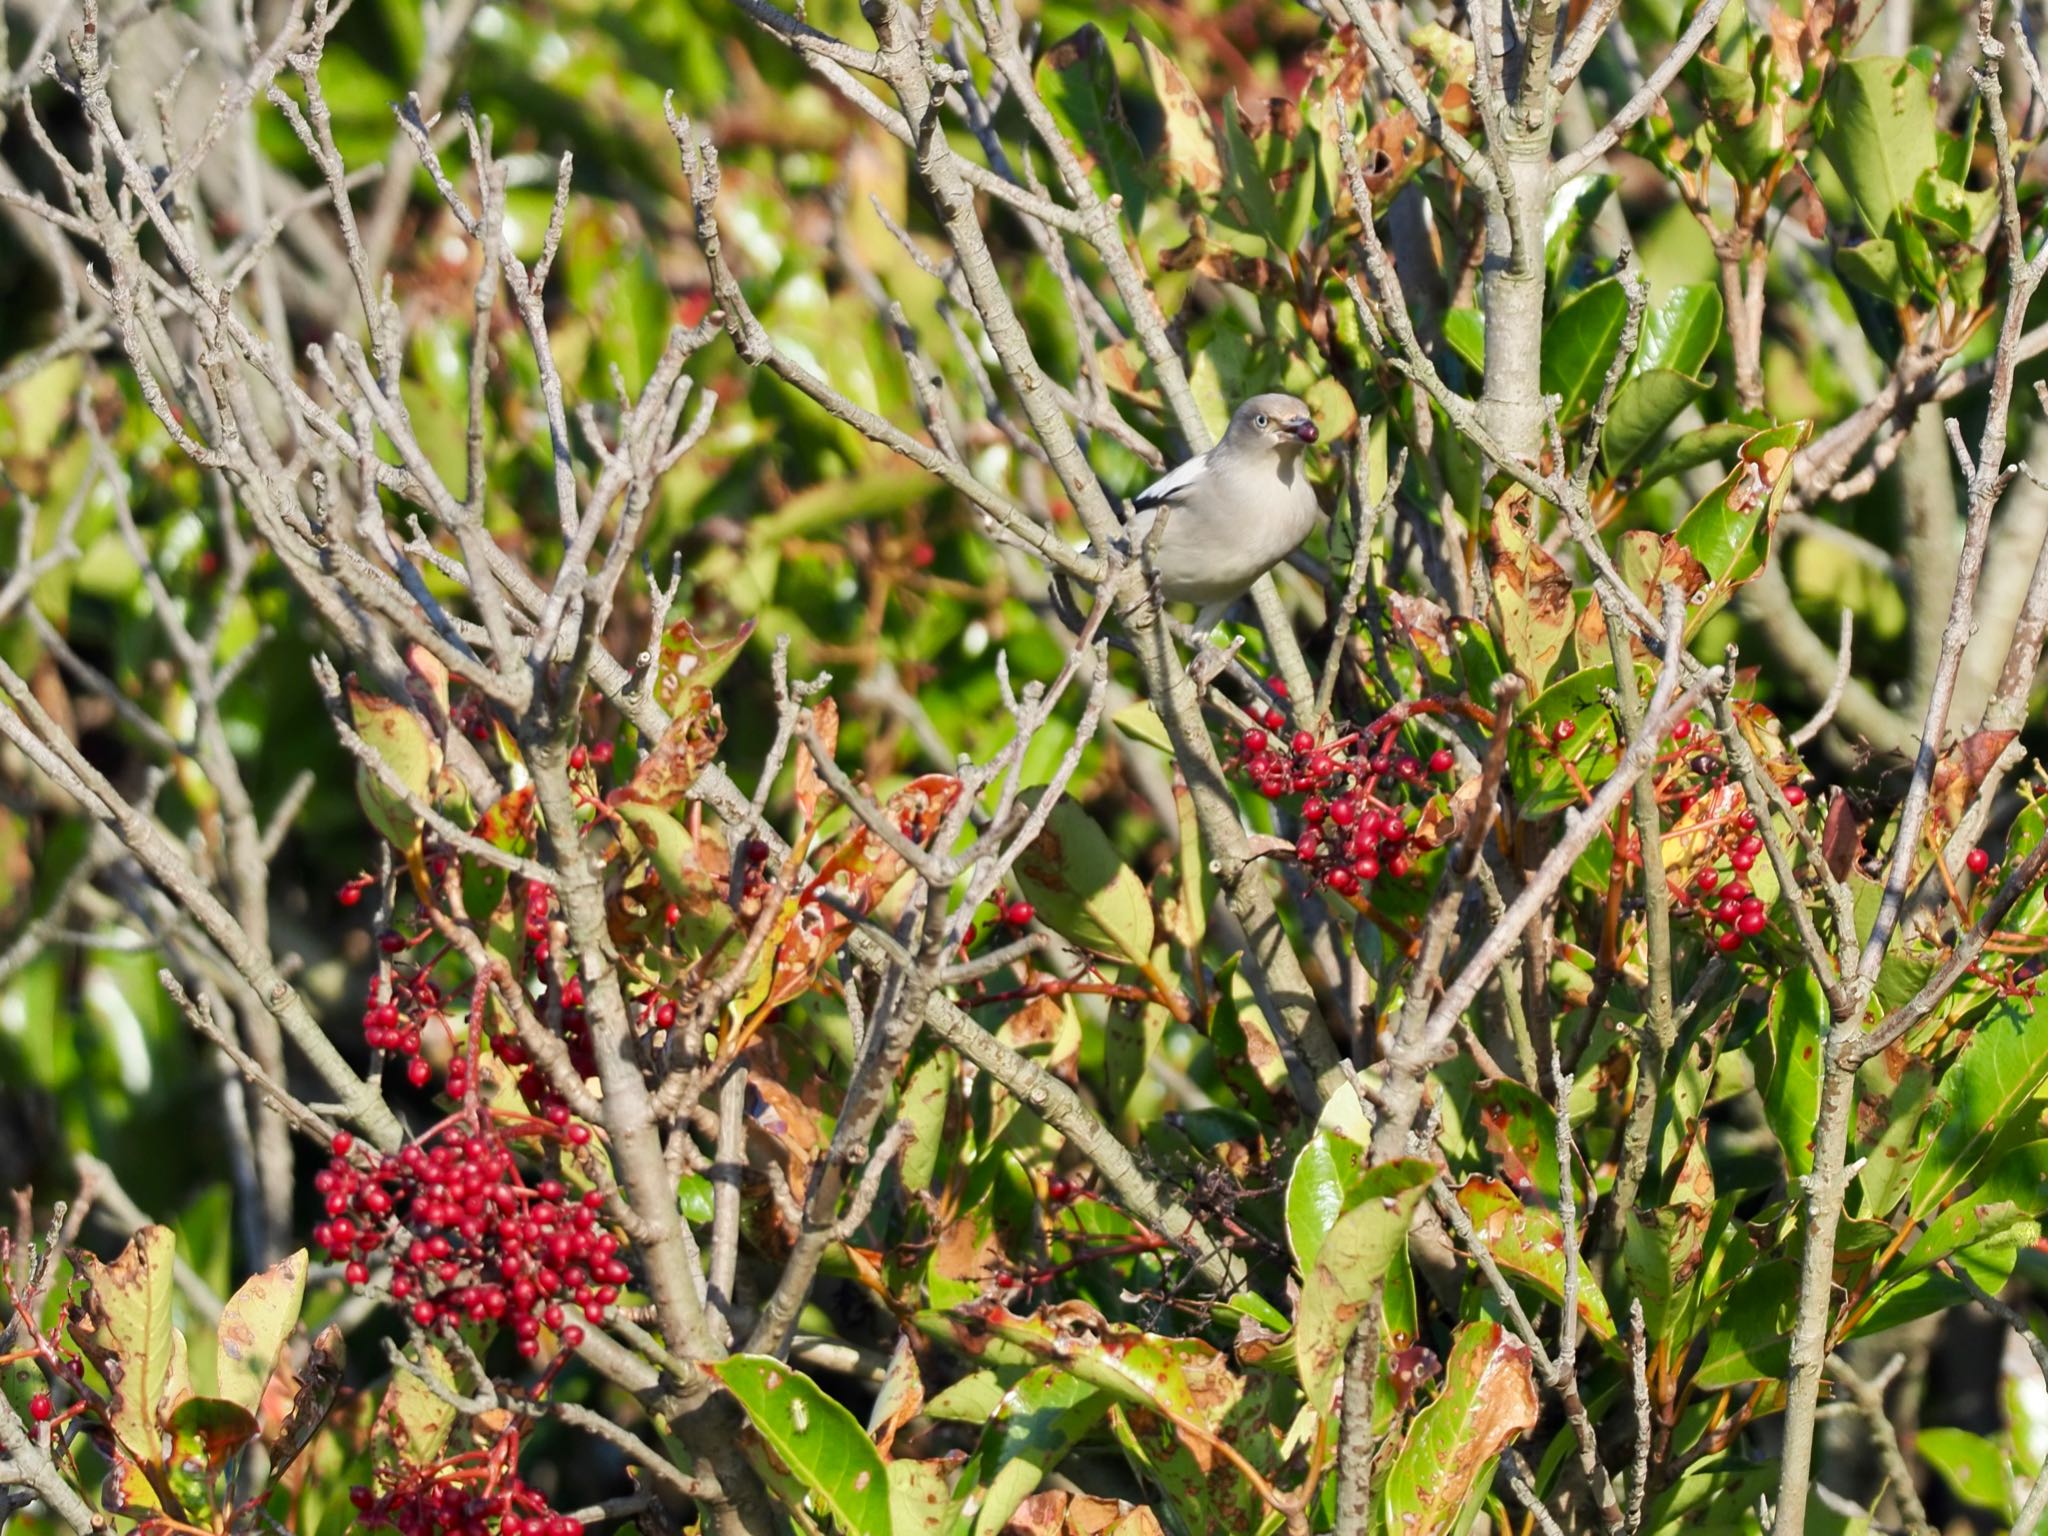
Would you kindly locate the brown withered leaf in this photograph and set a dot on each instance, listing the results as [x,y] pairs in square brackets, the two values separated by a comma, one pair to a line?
[1532,591]
[1042,1514]
[1962,769]
[1841,838]
[857,875]
[900,1398]
[319,1380]
[1426,623]
[810,789]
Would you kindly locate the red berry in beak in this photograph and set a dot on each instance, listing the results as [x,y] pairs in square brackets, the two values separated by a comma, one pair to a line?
[1305,430]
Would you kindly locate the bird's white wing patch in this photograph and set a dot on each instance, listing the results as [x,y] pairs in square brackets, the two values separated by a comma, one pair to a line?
[1173,483]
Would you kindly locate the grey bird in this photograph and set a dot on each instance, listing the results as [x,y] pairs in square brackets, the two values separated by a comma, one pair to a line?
[1234,512]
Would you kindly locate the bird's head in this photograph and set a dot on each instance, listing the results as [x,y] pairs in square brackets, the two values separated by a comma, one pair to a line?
[1281,422]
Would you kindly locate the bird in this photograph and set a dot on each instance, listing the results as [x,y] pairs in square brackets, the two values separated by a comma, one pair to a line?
[1232,512]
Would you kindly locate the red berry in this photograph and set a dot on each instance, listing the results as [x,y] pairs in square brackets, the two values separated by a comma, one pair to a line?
[40,1408]
[579,759]
[671,914]
[1729,942]
[1274,719]
[1979,860]
[1303,742]
[1442,760]
[349,895]
[757,851]
[1254,743]
[601,753]
[1681,730]
[341,1143]
[1566,730]
[1706,879]
[1277,687]
[390,941]
[1750,922]
[417,1072]
[1018,914]
[1794,795]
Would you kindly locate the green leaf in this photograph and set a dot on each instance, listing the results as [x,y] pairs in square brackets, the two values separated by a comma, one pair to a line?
[1877,131]
[1973,1468]
[1141,722]
[1874,267]
[1665,1248]
[1980,1096]
[400,737]
[1528,1245]
[1445,1462]
[1465,332]
[416,1420]
[973,1399]
[254,1326]
[1644,406]
[1578,345]
[1789,1067]
[1077,78]
[1039,1420]
[918,1496]
[1572,207]
[1729,531]
[813,1436]
[1083,891]
[1702,445]
[1371,1235]
[126,1331]
[1748,1341]
[1322,1186]
[1680,334]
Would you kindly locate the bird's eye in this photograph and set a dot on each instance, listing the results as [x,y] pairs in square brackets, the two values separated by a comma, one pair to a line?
[1260,422]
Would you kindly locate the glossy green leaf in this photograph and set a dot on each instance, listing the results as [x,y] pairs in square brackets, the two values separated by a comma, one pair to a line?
[816,1439]
[1748,1338]
[1874,267]
[1702,445]
[1579,343]
[1077,78]
[1465,334]
[1321,1187]
[1644,406]
[1083,891]
[1979,1097]
[1974,1469]
[1788,1057]
[1680,333]
[1729,531]
[1573,207]
[253,1328]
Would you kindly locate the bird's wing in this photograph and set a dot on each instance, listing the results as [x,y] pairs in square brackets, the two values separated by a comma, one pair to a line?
[1175,482]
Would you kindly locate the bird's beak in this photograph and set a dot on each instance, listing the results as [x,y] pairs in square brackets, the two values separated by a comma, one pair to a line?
[1303,428]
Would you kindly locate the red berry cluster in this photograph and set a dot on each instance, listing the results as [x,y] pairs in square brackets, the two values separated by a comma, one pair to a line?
[456,1501]
[393,1021]
[470,1239]
[1355,821]
[1695,771]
